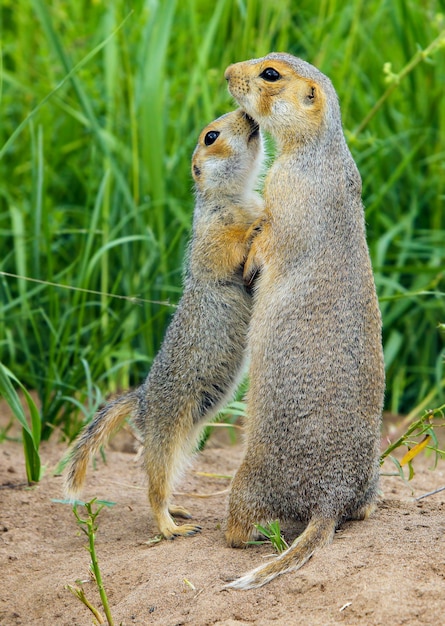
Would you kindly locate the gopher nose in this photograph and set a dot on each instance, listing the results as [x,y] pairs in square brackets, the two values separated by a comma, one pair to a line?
[228,72]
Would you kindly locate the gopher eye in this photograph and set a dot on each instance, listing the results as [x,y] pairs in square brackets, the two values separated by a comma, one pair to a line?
[211,137]
[270,74]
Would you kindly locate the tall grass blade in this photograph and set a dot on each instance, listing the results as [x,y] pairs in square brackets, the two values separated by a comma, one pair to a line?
[31,433]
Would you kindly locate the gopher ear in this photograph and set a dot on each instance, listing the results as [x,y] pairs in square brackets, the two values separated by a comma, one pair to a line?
[196,171]
[311,94]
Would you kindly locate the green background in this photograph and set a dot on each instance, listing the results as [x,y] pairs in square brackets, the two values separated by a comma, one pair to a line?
[101,106]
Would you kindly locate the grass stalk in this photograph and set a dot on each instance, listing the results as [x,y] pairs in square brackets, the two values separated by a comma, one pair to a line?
[89,527]
[394,80]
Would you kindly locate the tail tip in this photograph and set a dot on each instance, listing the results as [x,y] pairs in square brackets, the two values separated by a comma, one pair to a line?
[71,490]
[248,581]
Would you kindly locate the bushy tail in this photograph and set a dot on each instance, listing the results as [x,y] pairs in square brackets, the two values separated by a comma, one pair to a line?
[95,434]
[318,533]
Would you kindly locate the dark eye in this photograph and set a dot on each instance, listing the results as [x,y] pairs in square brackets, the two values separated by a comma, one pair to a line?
[270,75]
[211,137]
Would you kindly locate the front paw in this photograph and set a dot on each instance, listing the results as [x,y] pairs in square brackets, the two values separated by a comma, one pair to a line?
[254,229]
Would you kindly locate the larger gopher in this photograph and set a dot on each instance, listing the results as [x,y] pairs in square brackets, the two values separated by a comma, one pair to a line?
[316,374]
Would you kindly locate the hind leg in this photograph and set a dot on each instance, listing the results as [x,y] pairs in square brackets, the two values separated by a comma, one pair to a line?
[244,511]
[164,460]
[364,512]
[367,504]
[159,492]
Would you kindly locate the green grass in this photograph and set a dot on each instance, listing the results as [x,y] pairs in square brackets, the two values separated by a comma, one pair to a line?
[272,533]
[100,110]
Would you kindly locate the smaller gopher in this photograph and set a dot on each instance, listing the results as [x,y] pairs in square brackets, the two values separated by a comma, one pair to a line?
[202,357]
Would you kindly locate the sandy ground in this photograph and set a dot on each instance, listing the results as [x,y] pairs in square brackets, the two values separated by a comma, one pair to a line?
[387,570]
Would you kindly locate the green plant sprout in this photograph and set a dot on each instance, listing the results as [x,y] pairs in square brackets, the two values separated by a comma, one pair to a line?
[419,436]
[272,532]
[89,527]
